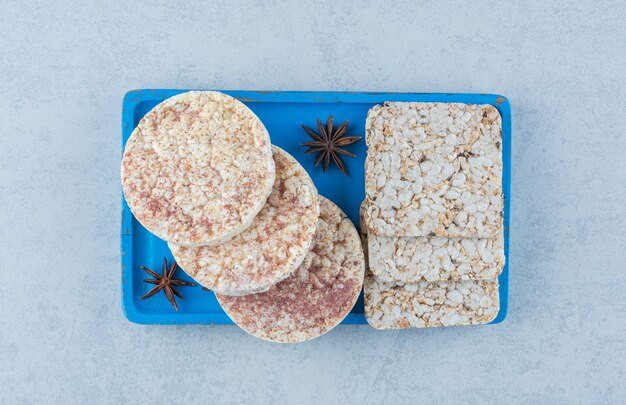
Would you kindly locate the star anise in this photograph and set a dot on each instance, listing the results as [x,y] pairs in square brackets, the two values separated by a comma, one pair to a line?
[327,143]
[165,282]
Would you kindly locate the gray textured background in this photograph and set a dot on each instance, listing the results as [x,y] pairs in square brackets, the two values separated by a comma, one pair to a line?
[63,72]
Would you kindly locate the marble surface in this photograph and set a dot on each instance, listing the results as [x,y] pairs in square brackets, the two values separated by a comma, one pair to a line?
[64,69]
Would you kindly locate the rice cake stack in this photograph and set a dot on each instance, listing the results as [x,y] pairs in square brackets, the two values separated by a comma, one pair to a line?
[433,214]
[242,217]
[199,171]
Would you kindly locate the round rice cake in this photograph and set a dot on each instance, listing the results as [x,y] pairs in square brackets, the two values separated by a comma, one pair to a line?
[271,248]
[198,168]
[318,296]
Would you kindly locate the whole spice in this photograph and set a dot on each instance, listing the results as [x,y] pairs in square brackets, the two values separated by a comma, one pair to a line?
[165,282]
[328,142]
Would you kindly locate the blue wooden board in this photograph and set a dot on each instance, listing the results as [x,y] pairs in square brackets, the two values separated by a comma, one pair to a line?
[282,113]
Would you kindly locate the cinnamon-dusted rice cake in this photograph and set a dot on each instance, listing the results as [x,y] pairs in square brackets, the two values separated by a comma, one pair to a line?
[434,169]
[271,248]
[198,168]
[317,296]
[427,305]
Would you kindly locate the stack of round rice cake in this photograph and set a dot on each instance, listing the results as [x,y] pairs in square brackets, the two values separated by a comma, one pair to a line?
[271,248]
[317,296]
[198,168]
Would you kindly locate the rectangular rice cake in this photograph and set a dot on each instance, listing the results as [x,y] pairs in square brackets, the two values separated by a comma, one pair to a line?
[426,258]
[426,305]
[434,169]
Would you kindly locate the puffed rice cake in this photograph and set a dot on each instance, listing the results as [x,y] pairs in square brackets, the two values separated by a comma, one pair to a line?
[317,297]
[432,258]
[198,168]
[427,305]
[434,169]
[271,248]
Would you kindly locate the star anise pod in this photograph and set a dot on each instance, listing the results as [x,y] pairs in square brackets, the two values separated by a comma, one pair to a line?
[165,282]
[327,143]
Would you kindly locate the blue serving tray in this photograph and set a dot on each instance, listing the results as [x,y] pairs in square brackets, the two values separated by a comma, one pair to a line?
[282,112]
